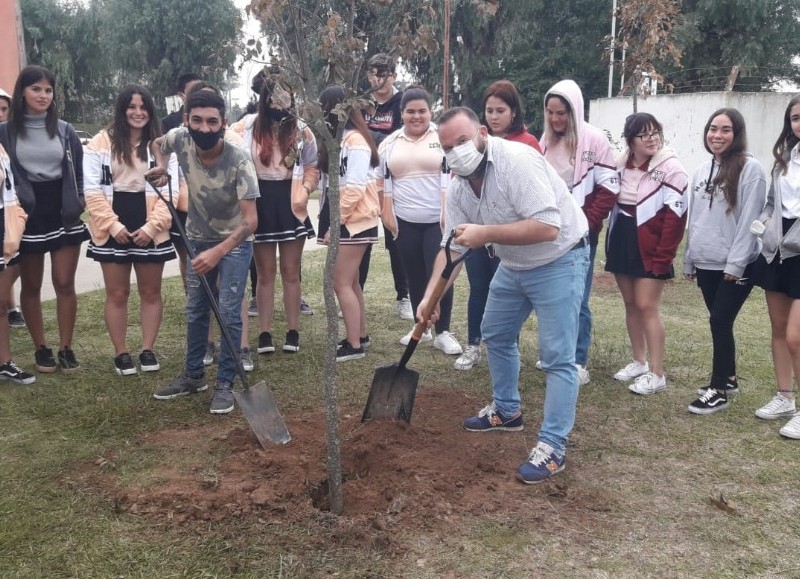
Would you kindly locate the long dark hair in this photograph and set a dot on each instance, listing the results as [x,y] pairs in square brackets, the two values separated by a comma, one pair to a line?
[28,76]
[120,132]
[731,161]
[328,99]
[508,93]
[262,128]
[787,140]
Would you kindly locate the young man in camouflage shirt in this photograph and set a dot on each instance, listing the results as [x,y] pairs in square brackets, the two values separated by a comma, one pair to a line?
[221,220]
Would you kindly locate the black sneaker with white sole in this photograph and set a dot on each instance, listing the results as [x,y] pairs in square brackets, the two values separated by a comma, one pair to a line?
[148,361]
[10,371]
[67,360]
[123,364]
[265,345]
[731,387]
[347,352]
[292,343]
[711,401]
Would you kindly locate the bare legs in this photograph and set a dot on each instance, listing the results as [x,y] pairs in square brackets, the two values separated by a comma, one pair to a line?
[348,292]
[642,297]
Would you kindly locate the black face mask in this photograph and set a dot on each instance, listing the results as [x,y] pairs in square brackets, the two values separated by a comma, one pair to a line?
[277,115]
[205,141]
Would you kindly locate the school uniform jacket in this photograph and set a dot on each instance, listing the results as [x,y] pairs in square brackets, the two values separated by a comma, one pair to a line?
[660,210]
[776,244]
[13,214]
[99,191]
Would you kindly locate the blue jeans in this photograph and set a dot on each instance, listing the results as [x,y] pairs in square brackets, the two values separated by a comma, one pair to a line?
[232,273]
[585,319]
[554,292]
[480,271]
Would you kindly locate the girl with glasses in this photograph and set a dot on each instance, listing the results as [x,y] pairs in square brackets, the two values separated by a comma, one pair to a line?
[645,228]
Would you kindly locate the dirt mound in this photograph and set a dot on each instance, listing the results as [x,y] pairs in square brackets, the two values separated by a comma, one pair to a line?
[418,476]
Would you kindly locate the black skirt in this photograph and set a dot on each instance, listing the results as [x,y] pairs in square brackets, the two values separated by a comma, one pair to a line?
[45,230]
[622,253]
[131,208]
[369,236]
[781,276]
[276,221]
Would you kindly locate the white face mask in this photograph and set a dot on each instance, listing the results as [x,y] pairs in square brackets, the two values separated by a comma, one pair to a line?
[465,158]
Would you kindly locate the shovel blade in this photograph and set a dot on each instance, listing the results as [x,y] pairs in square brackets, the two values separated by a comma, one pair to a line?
[261,411]
[392,394]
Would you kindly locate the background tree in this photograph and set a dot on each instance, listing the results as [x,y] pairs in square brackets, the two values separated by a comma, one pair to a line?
[760,37]
[65,38]
[153,42]
[327,43]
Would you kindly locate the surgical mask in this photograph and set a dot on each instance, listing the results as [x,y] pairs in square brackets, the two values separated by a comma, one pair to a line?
[465,158]
[277,115]
[205,141]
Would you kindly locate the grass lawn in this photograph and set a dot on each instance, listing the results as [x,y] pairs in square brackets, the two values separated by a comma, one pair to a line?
[635,500]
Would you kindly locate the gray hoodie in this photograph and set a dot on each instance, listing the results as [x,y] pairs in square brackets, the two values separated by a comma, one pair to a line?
[718,237]
[775,242]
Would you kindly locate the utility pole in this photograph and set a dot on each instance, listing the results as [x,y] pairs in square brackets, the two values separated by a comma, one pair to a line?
[611,47]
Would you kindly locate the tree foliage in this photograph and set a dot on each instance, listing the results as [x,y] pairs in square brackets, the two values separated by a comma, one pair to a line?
[94,47]
[760,36]
[153,42]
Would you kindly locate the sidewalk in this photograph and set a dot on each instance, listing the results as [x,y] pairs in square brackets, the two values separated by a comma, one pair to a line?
[90,277]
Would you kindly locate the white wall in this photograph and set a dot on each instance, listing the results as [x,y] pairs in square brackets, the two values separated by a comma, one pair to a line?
[685,115]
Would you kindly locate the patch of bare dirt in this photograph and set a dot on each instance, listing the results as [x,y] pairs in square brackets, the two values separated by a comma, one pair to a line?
[418,477]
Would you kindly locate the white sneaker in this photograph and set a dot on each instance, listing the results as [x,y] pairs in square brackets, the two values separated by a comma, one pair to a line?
[632,370]
[447,343]
[404,309]
[426,337]
[583,375]
[648,383]
[778,407]
[470,357]
[792,428]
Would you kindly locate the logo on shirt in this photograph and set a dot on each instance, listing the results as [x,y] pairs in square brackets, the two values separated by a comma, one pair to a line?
[658,176]
[588,156]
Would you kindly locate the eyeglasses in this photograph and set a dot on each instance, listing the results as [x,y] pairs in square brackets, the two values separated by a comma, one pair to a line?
[655,135]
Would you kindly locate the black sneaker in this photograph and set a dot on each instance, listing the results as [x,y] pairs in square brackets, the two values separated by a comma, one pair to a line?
[729,388]
[348,352]
[363,340]
[10,371]
[305,309]
[252,308]
[15,319]
[67,360]
[711,401]
[148,361]
[45,362]
[124,365]
[265,343]
[292,343]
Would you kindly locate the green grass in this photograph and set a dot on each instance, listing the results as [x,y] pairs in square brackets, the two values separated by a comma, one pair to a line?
[637,488]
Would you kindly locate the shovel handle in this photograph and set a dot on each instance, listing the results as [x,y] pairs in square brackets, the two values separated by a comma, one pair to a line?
[436,295]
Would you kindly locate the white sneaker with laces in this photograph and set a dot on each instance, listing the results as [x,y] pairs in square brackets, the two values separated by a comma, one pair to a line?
[470,357]
[791,429]
[447,343]
[779,407]
[404,309]
[426,337]
[648,383]
[632,370]
[583,375]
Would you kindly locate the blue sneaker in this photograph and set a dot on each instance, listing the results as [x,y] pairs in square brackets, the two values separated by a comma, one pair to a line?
[491,419]
[543,463]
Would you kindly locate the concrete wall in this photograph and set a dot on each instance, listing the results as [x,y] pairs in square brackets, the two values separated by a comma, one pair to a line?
[685,115]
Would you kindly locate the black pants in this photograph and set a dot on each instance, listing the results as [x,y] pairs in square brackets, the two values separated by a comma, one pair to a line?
[418,245]
[723,299]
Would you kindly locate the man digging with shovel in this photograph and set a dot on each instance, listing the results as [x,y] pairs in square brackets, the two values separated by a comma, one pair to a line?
[505,194]
[221,221]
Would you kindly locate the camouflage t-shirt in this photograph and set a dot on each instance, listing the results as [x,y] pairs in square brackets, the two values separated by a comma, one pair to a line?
[214,192]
